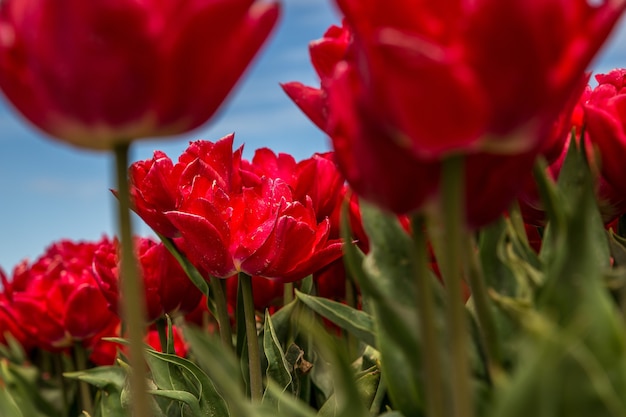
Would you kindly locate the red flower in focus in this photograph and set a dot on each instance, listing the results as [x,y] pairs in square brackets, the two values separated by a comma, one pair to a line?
[99,73]
[229,215]
[56,299]
[404,87]
[168,289]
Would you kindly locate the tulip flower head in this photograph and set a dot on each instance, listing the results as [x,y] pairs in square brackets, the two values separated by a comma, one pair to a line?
[229,215]
[99,73]
[405,87]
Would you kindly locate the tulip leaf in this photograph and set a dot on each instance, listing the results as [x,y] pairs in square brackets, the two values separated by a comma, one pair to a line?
[366,385]
[222,367]
[173,373]
[278,369]
[101,377]
[390,286]
[349,402]
[582,253]
[618,248]
[185,397]
[288,404]
[354,321]
[353,257]
[19,389]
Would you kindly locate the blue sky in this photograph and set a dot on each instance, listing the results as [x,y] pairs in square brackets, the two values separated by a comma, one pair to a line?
[50,191]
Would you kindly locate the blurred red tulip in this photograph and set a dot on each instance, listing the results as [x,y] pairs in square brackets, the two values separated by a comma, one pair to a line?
[56,299]
[99,73]
[401,90]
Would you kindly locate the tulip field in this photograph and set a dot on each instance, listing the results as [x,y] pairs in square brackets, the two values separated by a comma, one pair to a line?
[459,252]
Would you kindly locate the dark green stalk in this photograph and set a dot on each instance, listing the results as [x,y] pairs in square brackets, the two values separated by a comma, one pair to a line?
[58,371]
[482,305]
[133,298]
[287,293]
[433,380]
[80,356]
[161,325]
[254,357]
[221,310]
[453,202]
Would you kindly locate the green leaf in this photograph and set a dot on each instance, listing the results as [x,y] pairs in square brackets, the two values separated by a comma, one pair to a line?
[391,289]
[186,376]
[277,366]
[181,396]
[101,377]
[9,406]
[345,390]
[353,257]
[19,387]
[222,367]
[618,248]
[581,254]
[288,405]
[354,321]
[366,386]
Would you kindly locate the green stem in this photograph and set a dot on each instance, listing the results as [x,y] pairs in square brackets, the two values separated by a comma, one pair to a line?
[80,356]
[482,304]
[221,310]
[351,299]
[254,357]
[287,293]
[517,221]
[454,229]
[433,380]
[133,298]
[59,369]
[161,325]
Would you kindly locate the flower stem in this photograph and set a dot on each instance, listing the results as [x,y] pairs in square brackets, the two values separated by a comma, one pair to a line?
[80,356]
[433,381]
[454,230]
[221,311]
[133,302]
[254,357]
[161,326]
[287,293]
[482,304]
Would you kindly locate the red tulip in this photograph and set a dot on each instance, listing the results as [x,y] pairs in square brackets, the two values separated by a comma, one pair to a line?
[159,186]
[260,231]
[404,87]
[99,73]
[611,202]
[316,177]
[8,323]
[605,116]
[56,299]
[464,76]
[168,289]
[229,215]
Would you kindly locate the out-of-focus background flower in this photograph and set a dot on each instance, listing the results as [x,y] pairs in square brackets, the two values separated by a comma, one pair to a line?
[50,191]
